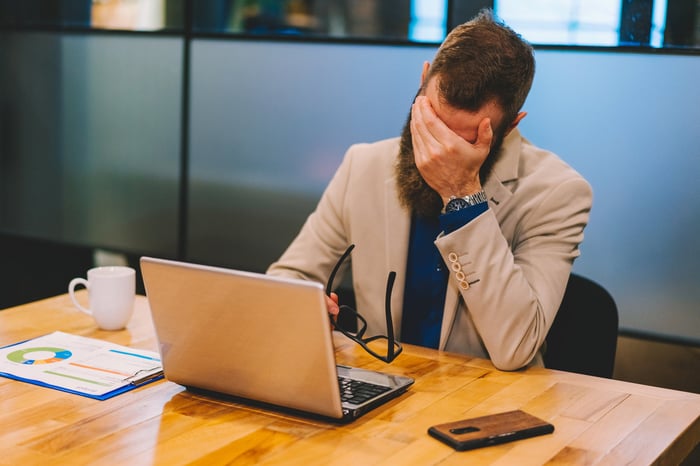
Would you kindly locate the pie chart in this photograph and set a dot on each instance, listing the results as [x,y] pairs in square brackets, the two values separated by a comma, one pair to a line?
[39,355]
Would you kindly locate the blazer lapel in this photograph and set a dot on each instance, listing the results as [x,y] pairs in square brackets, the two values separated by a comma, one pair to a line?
[505,170]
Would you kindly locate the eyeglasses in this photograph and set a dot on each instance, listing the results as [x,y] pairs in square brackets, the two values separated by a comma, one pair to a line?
[393,347]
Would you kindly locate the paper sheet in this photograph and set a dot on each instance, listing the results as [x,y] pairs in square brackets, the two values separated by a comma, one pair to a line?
[81,365]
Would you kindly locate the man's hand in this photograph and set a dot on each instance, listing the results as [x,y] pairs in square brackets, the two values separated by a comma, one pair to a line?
[332,305]
[448,162]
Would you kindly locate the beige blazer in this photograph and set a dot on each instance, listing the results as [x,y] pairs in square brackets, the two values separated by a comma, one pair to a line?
[509,266]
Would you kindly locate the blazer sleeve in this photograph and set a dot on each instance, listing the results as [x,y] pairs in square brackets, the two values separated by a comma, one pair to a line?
[512,288]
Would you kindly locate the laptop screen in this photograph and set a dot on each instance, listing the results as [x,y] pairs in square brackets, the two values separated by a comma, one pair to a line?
[244,334]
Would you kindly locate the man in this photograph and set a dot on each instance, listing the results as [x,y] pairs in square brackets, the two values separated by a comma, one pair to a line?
[481,226]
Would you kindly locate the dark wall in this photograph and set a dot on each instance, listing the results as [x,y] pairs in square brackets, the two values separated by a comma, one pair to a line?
[34,269]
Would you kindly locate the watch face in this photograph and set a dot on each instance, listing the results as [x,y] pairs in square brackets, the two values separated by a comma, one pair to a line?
[456,204]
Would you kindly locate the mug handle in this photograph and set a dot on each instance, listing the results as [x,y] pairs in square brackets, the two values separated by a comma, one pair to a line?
[71,291]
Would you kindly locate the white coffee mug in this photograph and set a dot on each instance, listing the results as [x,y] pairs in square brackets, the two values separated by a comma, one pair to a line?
[111,294]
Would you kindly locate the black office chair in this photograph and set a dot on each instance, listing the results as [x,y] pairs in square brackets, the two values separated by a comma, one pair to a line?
[583,336]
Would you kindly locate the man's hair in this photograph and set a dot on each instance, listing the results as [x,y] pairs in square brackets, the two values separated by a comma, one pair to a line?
[484,60]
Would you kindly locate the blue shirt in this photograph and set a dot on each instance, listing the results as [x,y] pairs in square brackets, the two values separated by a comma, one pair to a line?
[427,275]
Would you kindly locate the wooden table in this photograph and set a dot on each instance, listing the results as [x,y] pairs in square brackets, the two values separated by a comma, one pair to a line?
[597,421]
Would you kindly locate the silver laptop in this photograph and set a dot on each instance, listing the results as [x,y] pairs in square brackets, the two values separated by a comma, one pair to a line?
[256,337]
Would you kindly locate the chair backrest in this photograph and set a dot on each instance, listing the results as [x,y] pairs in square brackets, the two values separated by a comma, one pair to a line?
[583,336]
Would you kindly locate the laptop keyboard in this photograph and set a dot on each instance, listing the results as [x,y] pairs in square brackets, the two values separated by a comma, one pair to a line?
[357,391]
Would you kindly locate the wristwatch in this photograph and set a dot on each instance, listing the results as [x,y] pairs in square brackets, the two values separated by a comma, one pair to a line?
[458,203]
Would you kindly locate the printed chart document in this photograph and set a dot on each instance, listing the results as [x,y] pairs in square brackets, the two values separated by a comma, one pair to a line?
[81,365]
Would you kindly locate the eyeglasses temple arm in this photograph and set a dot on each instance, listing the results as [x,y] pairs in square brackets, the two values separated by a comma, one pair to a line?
[329,285]
[389,321]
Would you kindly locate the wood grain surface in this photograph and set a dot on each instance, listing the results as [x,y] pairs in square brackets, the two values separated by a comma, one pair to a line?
[597,421]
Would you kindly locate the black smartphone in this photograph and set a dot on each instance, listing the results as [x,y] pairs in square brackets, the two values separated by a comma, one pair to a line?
[492,429]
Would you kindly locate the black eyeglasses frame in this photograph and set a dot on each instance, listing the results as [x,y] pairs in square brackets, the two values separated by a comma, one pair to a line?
[394,348]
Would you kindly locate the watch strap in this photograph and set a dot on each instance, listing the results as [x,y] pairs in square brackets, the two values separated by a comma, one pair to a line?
[458,203]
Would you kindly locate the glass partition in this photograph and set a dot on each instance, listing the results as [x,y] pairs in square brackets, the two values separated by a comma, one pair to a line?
[607,23]
[127,15]
[270,123]
[90,139]
[648,24]
[407,20]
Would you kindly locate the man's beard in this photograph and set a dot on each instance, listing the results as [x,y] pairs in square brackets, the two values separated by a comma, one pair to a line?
[414,193]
